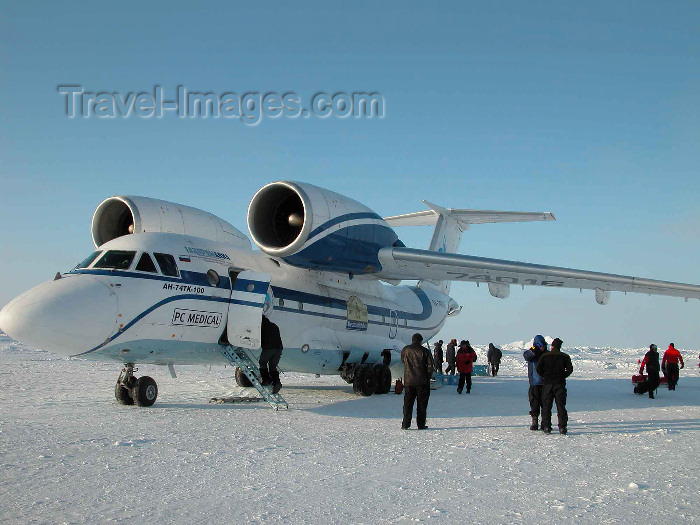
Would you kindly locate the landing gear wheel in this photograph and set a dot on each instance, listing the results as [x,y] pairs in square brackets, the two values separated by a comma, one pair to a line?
[145,392]
[365,382]
[357,379]
[242,379]
[122,394]
[383,379]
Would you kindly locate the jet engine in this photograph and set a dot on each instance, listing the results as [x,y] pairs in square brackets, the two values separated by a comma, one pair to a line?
[123,215]
[315,228]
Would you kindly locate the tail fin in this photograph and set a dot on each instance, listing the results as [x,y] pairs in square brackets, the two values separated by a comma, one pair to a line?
[446,238]
[450,224]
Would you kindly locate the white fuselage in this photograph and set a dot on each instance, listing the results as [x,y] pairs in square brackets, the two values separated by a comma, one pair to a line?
[129,315]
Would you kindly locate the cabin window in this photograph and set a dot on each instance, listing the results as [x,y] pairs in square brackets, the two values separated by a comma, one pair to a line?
[213,278]
[89,260]
[167,264]
[146,264]
[116,260]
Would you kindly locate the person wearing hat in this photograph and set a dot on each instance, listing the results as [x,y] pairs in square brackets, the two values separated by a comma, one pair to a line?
[418,367]
[534,392]
[554,367]
[450,357]
[465,365]
[651,361]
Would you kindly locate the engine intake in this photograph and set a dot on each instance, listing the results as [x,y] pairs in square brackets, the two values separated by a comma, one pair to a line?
[124,215]
[312,227]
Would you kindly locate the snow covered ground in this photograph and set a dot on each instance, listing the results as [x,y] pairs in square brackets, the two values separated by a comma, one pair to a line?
[71,454]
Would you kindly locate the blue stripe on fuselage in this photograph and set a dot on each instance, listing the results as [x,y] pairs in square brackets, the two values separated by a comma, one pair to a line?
[280,293]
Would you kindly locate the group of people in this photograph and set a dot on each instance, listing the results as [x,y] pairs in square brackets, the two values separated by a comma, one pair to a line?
[451,356]
[547,373]
[670,365]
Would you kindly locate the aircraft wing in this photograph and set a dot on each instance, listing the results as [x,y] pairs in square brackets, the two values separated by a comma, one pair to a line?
[409,264]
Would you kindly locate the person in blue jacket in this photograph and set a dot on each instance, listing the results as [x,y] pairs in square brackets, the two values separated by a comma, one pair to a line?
[534,393]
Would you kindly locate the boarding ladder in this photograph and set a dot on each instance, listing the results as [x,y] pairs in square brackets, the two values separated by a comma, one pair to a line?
[237,356]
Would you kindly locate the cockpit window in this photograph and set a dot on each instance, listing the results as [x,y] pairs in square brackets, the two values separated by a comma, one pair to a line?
[146,264]
[167,264]
[116,260]
[89,260]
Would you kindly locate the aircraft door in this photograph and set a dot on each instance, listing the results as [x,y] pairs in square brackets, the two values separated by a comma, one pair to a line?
[245,309]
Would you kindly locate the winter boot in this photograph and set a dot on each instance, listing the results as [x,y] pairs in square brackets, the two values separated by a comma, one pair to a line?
[534,425]
[547,430]
[562,431]
[265,378]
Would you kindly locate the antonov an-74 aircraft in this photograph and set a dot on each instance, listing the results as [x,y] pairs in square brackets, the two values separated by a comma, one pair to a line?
[170,284]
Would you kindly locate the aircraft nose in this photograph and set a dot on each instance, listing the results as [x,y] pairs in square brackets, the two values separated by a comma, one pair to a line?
[67,316]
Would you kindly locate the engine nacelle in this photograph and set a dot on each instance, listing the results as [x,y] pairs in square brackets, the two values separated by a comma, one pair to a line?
[315,228]
[123,215]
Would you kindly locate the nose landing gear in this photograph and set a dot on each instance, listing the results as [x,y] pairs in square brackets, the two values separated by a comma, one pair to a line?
[129,389]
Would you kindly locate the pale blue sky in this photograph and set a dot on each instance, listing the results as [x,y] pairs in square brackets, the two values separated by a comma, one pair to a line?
[589,111]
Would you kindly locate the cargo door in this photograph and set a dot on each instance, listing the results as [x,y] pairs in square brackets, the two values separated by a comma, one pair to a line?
[248,291]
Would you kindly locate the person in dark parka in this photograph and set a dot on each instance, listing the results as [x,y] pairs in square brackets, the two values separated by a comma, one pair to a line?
[534,392]
[465,365]
[450,357]
[651,361]
[271,343]
[554,367]
[438,357]
[418,367]
[493,357]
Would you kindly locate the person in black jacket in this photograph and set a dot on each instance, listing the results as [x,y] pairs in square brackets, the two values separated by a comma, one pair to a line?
[270,355]
[554,367]
[418,367]
[450,357]
[651,361]
[493,357]
[438,357]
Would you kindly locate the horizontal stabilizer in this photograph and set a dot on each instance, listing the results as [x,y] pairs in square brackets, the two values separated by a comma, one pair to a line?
[430,217]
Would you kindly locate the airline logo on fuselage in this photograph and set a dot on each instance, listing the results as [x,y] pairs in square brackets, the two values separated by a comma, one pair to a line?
[196,318]
[206,253]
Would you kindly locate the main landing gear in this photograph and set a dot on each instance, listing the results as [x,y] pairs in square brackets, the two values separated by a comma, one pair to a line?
[367,378]
[129,390]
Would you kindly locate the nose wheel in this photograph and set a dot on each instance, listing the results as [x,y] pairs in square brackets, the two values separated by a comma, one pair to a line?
[130,390]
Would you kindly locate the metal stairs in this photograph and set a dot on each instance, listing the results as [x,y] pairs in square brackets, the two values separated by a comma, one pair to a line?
[239,357]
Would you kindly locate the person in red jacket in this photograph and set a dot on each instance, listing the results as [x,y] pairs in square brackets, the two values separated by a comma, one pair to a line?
[465,364]
[670,365]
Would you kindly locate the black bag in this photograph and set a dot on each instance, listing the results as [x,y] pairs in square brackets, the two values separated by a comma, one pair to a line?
[641,388]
